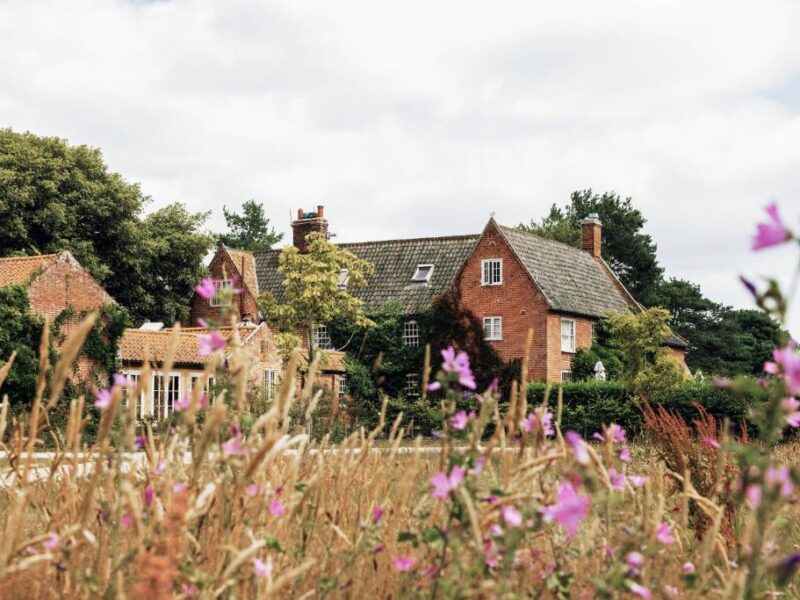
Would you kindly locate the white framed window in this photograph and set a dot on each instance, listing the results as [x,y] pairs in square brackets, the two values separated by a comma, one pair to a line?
[411,389]
[492,271]
[166,392]
[568,335]
[493,328]
[207,387]
[220,299]
[342,387]
[344,275]
[271,383]
[131,391]
[566,376]
[410,333]
[321,337]
[595,332]
[422,274]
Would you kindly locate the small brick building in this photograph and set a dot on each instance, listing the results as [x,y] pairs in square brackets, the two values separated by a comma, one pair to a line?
[55,283]
[154,349]
[509,279]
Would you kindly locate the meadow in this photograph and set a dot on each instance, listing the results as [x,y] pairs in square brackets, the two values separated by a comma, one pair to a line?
[230,504]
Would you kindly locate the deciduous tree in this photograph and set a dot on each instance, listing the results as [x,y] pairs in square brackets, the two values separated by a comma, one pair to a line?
[250,229]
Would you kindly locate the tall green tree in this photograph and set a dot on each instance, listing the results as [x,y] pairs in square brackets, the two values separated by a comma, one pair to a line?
[629,251]
[722,340]
[250,229]
[54,196]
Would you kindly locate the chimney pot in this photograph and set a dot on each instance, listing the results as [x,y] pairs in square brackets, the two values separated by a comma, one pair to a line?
[320,211]
[299,214]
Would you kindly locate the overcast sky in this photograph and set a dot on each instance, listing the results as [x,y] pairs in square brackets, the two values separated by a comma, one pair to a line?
[422,118]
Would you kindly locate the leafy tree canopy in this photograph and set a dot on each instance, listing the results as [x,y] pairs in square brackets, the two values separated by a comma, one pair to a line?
[629,251]
[249,230]
[313,293]
[55,197]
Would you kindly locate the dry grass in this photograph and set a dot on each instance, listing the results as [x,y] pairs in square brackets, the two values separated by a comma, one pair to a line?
[173,527]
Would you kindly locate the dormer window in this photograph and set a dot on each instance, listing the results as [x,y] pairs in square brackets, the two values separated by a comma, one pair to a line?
[422,274]
[344,275]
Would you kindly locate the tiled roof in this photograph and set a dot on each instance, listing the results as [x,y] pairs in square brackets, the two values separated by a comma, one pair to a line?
[246,265]
[18,270]
[571,280]
[395,263]
[138,345]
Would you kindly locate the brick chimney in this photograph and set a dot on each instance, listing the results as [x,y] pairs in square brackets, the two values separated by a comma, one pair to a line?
[308,222]
[592,235]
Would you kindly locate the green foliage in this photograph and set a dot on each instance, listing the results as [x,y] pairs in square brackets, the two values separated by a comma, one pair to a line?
[647,365]
[102,341]
[56,197]
[629,251]
[590,404]
[360,383]
[722,340]
[585,359]
[312,294]
[20,331]
[249,230]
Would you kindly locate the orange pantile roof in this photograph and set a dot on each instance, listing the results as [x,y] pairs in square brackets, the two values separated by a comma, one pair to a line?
[138,345]
[18,270]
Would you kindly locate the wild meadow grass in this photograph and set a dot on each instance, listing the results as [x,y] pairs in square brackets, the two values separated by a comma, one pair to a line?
[232,504]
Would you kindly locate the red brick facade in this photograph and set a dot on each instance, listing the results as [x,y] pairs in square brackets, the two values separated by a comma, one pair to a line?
[522,306]
[226,264]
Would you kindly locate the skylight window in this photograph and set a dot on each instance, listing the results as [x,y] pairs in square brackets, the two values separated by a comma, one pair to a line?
[422,274]
[344,275]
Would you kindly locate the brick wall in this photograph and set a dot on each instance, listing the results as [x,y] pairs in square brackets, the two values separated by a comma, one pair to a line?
[517,301]
[222,267]
[65,284]
[558,361]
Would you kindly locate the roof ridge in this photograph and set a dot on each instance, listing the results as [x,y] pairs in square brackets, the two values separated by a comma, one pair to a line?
[543,238]
[28,257]
[465,236]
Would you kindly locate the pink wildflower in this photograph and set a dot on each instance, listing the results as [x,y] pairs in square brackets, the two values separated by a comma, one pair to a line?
[276,508]
[148,495]
[687,568]
[640,591]
[404,563]
[182,403]
[786,361]
[752,494]
[52,542]
[459,420]
[611,433]
[792,408]
[511,516]
[637,481]
[458,363]
[711,442]
[635,560]
[779,477]
[126,520]
[103,399]
[480,462]
[262,568]
[578,447]
[377,513]
[443,485]
[122,381]
[773,232]
[625,454]
[671,591]
[664,533]
[234,447]
[539,419]
[570,509]
[178,488]
[617,479]
[206,289]
[208,344]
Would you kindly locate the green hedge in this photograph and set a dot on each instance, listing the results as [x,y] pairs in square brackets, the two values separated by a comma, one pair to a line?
[589,405]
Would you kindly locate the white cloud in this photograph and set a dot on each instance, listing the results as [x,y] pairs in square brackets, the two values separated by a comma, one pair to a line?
[421,118]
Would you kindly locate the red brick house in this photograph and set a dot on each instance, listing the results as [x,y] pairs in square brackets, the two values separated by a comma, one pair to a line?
[55,283]
[509,279]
